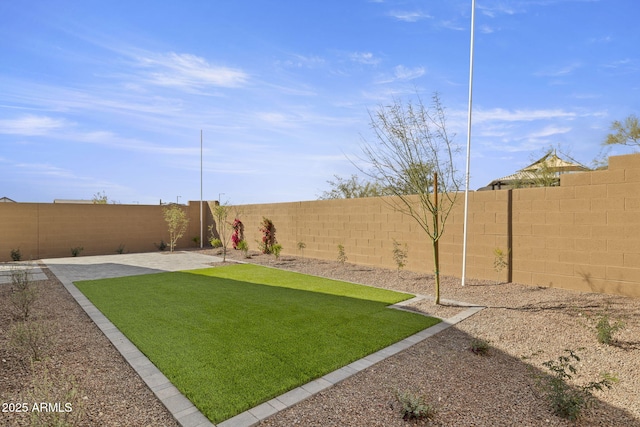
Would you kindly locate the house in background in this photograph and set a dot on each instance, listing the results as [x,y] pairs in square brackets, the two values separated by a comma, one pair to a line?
[544,172]
[6,200]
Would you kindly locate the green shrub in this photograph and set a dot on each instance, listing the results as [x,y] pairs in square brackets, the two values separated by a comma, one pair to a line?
[414,407]
[161,246]
[479,346]
[56,387]
[22,295]
[76,251]
[30,339]
[244,247]
[275,250]
[16,255]
[400,254]
[301,246]
[501,260]
[215,242]
[342,256]
[606,329]
[568,401]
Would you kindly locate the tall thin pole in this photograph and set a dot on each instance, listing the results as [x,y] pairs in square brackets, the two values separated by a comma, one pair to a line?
[201,219]
[466,189]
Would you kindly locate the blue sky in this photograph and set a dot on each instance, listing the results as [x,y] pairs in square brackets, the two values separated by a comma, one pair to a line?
[111,96]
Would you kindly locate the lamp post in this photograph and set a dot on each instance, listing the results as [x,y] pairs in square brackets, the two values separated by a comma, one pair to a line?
[466,188]
[201,217]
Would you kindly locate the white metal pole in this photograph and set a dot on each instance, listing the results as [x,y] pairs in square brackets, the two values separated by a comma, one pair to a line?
[466,189]
[201,219]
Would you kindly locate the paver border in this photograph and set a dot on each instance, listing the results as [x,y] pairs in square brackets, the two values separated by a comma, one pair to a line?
[188,415]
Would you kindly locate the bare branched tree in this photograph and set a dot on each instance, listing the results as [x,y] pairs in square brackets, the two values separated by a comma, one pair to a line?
[221,213]
[414,160]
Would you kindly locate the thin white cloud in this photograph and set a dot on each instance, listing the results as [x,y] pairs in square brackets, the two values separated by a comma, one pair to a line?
[366,58]
[44,169]
[486,29]
[409,16]
[496,9]
[604,39]
[304,61]
[559,71]
[31,125]
[500,114]
[454,25]
[548,131]
[114,140]
[404,73]
[623,66]
[187,71]
[278,119]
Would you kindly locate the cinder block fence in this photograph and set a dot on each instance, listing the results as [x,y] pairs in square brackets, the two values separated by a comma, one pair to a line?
[583,235]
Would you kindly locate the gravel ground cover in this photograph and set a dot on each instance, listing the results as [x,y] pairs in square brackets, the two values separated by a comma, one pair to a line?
[79,366]
[525,326]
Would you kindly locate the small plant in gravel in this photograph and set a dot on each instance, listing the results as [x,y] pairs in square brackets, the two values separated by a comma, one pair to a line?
[301,246]
[161,246]
[16,255]
[63,396]
[276,249]
[606,330]
[342,256]
[568,401]
[120,249]
[479,346]
[413,406]
[31,339]
[22,295]
[243,246]
[400,254]
[76,250]
[501,260]
[215,242]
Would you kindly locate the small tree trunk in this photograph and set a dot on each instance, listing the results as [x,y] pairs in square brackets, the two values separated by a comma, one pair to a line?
[436,271]
[436,237]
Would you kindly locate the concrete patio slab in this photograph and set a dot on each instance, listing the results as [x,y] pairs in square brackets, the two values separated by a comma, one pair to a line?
[33,270]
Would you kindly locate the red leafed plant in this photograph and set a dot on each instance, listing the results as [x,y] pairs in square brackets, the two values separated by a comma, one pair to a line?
[238,233]
[268,231]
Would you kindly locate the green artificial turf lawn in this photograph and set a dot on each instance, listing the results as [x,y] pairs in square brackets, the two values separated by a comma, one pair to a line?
[232,337]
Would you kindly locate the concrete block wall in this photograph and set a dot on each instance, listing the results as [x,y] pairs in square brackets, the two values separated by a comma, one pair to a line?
[49,230]
[583,235]
[367,228]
